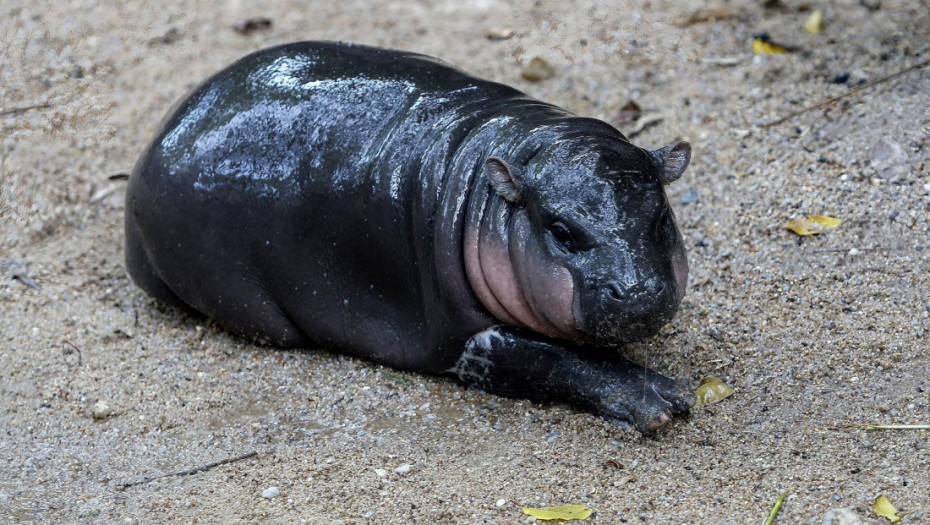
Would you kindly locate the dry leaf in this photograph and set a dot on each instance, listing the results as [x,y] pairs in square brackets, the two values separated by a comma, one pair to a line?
[712,390]
[565,512]
[629,113]
[614,463]
[814,23]
[885,509]
[762,46]
[538,69]
[812,224]
[247,26]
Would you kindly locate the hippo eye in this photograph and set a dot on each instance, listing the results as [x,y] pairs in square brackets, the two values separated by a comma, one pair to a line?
[563,236]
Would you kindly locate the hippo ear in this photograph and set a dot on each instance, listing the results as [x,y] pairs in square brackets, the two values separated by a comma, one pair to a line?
[504,179]
[672,160]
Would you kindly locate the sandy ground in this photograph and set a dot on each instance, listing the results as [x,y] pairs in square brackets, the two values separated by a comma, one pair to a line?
[816,334]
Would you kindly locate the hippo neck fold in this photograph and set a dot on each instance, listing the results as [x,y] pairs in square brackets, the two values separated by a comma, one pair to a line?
[494,263]
[464,223]
[499,272]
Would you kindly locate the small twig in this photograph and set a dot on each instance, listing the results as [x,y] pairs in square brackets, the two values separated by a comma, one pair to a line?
[23,109]
[892,427]
[644,122]
[771,519]
[188,472]
[852,91]
[26,280]
[74,349]
[844,250]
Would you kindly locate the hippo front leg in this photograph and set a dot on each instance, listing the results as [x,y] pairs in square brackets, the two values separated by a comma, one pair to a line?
[515,363]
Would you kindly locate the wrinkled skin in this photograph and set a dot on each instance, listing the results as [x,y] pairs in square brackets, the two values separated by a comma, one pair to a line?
[386,205]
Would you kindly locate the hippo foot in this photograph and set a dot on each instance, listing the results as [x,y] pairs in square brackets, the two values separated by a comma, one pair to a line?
[632,394]
[516,363]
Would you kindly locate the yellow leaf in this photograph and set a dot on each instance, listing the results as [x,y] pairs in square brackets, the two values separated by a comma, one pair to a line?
[812,224]
[712,390]
[814,23]
[565,512]
[885,509]
[761,47]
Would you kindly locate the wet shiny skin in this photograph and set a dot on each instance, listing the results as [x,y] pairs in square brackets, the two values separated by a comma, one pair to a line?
[339,195]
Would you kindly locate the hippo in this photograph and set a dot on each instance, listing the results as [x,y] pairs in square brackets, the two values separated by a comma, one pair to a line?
[386,205]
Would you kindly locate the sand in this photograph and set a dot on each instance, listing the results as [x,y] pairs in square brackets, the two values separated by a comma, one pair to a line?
[816,334]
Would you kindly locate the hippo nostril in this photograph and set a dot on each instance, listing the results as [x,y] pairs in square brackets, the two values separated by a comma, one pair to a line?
[660,287]
[613,291]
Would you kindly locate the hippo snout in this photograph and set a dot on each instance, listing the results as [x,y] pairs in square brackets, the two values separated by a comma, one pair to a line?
[628,313]
[614,292]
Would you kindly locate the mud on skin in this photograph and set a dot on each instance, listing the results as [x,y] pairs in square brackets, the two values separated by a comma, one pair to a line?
[389,206]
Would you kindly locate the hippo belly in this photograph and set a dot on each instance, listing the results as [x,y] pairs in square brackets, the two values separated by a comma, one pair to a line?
[389,206]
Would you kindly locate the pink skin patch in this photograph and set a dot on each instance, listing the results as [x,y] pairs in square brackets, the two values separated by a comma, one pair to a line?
[549,287]
[500,276]
[476,278]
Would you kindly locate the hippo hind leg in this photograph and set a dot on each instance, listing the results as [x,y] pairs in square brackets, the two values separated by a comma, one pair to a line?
[265,322]
[141,270]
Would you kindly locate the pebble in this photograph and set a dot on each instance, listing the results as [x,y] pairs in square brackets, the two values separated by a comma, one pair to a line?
[889,159]
[271,492]
[689,197]
[101,410]
[841,516]
[403,469]
[538,69]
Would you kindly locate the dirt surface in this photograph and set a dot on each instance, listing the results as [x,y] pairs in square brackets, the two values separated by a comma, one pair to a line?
[816,334]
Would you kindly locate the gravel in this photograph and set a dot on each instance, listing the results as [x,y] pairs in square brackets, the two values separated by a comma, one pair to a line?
[817,334]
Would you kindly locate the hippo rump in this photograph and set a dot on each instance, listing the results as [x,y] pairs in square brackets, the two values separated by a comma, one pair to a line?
[386,205]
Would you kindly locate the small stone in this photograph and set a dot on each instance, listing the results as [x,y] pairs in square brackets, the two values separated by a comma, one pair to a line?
[381,472]
[271,492]
[689,197]
[889,159]
[403,469]
[841,516]
[501,502]
[101,410]
[499,34]
[538,69]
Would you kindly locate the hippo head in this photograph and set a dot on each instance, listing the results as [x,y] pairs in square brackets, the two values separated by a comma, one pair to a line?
[593,251]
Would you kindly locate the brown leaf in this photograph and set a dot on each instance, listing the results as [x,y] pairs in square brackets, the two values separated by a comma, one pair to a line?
[628,113]
[538,69]
[247,26]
